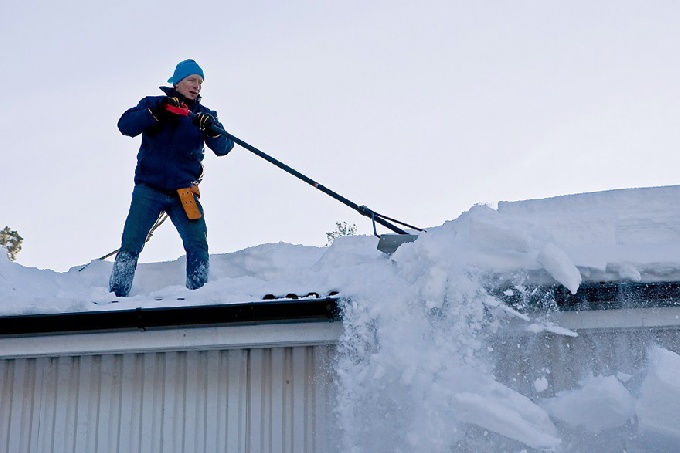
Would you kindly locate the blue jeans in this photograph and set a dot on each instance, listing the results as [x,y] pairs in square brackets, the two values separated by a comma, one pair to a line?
[147,204]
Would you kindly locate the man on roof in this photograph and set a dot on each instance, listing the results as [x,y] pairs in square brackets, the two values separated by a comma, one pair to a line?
[175,128]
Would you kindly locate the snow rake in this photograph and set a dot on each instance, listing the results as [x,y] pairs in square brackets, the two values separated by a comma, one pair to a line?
[387,243]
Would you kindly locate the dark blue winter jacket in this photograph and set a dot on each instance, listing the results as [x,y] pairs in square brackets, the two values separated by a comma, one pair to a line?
[171,153]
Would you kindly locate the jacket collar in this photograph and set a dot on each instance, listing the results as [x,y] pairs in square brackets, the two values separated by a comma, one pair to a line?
[172,92]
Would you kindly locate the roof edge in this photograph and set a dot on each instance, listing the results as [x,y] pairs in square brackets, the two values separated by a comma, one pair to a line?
[278,311]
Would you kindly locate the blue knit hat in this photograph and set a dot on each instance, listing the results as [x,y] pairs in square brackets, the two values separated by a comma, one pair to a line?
[185,69]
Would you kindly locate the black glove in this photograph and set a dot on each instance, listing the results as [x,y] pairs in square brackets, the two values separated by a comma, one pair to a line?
[159,110]
[206,122]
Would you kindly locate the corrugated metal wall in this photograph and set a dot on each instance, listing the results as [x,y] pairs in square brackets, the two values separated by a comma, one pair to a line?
[236,400]
[522,358]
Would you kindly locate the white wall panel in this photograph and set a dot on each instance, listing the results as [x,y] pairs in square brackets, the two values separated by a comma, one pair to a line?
[235,400]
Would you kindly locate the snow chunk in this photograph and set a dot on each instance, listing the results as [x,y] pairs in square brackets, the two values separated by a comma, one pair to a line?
[628,271]
[657,407]
[541,384]
[508,413]
[601,403]
[560,266]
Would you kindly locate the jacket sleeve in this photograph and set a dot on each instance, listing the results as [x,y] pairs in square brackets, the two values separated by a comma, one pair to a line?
[137,119]
[219,144]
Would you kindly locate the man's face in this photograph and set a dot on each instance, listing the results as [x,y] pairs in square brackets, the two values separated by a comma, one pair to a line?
[190,86]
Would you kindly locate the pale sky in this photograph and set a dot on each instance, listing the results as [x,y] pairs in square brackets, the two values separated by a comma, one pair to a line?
[418,110]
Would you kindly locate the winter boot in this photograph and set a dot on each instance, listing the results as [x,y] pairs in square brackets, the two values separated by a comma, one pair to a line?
[197,272]
[122,274]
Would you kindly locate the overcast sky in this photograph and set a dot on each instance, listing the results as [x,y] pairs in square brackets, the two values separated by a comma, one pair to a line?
[417,110]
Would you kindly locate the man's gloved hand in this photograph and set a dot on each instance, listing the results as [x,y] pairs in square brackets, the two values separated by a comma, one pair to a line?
[174,101]
[159,110]
[206,122]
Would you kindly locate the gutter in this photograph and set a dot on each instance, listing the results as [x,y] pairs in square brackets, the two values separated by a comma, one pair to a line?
[591,296]
[261,312]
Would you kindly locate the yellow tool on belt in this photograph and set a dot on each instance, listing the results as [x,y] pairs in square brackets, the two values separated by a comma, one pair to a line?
[186,196]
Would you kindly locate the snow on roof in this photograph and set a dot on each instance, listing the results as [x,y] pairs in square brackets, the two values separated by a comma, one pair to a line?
[631,234]
[417,325]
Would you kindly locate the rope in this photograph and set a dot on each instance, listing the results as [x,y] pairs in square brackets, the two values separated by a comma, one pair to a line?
[162,217]
[399,222]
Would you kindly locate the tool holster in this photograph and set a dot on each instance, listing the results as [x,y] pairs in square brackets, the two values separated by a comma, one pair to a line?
[186,196]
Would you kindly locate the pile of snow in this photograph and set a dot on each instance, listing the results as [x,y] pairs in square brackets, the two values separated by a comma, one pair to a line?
[659,397]
[416,369]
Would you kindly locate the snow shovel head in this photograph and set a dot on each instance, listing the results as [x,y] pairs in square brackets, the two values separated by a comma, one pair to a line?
[389,243]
